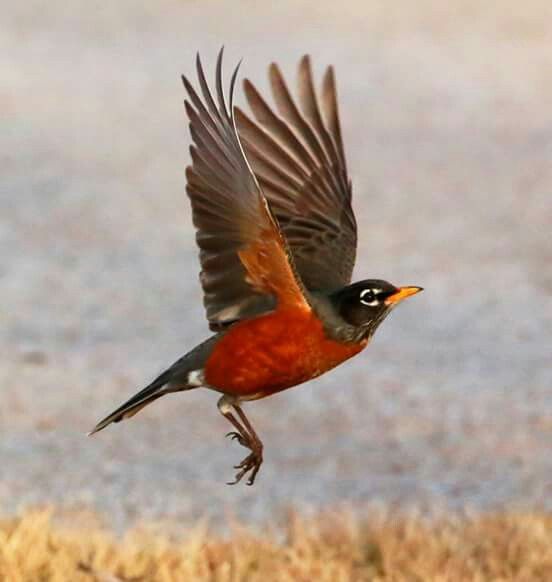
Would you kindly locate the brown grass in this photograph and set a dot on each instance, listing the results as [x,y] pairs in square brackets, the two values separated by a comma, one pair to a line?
[330,548]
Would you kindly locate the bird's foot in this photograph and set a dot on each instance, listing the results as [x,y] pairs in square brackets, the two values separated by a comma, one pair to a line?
[236,436]
[252,463]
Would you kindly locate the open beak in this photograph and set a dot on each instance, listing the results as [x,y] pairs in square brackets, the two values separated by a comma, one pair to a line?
[401,294]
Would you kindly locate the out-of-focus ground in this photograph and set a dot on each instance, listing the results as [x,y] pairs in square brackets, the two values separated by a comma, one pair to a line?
[447,117]
[332,546]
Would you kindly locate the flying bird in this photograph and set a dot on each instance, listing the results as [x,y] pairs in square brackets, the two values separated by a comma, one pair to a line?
[277,237]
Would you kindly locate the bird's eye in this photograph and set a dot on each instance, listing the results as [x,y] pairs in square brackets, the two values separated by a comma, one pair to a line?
[368,297]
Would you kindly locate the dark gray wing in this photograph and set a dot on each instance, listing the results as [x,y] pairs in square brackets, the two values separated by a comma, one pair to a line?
[298,157]
[245,265]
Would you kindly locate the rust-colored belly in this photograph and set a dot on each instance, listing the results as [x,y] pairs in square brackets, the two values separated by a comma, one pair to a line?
[260,356]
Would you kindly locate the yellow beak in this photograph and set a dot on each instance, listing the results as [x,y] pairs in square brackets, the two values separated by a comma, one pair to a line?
[401,294]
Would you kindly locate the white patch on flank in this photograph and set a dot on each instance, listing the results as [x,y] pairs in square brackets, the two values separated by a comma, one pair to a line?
[225,403]
[195,378]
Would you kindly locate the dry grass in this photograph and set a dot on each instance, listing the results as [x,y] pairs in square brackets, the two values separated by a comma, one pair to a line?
[337,547]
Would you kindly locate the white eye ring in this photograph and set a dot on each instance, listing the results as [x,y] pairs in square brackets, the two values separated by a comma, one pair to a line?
[372,303]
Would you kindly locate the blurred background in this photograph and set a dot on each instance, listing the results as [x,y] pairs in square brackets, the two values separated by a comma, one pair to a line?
[448,127]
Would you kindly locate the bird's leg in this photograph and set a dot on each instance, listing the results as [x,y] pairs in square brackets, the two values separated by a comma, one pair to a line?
[252,463]
[247,437]
[240,434]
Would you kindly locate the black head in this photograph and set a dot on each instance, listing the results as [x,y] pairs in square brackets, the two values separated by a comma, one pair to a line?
[365,304]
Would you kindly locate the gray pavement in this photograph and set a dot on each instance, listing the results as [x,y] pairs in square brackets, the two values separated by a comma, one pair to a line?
[448,127]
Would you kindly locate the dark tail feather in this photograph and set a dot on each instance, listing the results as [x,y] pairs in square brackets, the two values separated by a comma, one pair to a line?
[156,389]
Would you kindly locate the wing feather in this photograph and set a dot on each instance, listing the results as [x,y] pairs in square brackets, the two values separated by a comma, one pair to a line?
[298,157]
[246,269]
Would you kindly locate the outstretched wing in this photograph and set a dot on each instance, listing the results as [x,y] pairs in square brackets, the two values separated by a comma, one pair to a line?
[298,158]
[245,267]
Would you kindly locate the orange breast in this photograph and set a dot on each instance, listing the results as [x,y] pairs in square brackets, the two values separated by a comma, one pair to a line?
[260,356]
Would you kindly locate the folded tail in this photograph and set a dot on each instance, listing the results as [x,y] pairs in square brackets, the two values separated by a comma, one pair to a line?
[160,386]
[184,374]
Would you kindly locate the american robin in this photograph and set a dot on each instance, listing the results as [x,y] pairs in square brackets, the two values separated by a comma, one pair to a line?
[271,202]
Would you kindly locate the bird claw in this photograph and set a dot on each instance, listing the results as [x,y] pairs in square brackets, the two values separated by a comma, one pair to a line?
[252,463]
[236,436]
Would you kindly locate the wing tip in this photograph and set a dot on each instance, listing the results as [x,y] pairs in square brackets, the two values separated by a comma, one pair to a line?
[305,67]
